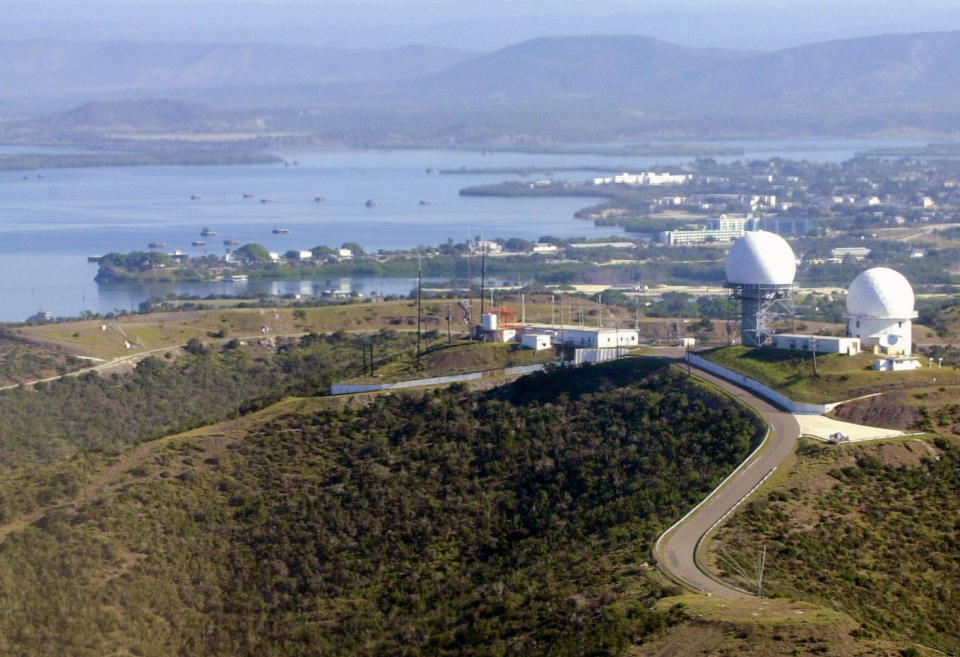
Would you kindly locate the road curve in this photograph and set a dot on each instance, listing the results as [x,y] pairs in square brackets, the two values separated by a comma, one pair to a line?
[676,551]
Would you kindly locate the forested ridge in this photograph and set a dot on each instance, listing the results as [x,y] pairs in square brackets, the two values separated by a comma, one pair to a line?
[449,522]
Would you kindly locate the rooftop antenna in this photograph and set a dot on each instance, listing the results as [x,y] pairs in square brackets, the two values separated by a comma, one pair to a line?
[523,309]
[469,285]
[483,276]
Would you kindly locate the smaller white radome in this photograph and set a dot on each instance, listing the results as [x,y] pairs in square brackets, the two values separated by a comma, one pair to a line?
[761,258]
[880,293]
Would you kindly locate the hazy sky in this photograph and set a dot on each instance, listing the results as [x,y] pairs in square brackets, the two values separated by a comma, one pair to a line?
[750,24]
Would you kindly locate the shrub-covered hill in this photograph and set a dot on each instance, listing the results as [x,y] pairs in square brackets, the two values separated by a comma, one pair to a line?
[871,530]
[516,521]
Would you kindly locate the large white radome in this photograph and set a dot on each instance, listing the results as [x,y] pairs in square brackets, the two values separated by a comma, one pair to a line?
[880,293]
[761,258]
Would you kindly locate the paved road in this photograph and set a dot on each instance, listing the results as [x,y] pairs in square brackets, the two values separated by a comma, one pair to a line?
[676,550]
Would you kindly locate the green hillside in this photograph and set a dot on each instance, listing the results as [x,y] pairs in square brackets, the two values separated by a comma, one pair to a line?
[515,521]
[870,530]
[838,377]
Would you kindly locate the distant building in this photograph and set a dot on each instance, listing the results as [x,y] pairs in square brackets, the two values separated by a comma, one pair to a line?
[722,230]
[645,178]
[858,252]
[345,254]
[544,248]
[786,226]
[487,245]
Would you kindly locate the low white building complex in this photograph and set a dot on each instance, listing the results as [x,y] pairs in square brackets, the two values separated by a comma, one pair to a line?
[822,344]
[580,336]
[880,311]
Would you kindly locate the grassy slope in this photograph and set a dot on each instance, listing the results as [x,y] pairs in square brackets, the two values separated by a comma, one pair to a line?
[156,330]
[456,358]
[867,529]
[840,377]
[449,524]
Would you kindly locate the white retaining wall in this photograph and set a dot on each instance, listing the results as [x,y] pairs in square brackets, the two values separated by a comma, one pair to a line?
[764,391]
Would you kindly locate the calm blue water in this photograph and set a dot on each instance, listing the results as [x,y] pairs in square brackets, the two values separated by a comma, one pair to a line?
[49,224]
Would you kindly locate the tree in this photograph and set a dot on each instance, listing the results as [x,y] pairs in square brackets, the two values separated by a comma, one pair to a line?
[518,244]
[253,252]
[321,252]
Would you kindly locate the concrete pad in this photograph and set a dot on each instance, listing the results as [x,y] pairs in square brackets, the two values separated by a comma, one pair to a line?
[821,427]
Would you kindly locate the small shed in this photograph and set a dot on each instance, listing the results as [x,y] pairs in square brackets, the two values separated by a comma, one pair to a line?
[536,341]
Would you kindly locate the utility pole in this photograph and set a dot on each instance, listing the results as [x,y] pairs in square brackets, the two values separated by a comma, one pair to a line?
[419,296]
[813,350]
[449,317]
[763,563]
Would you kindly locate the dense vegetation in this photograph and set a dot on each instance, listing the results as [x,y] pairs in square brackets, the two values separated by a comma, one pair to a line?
[94,417]
[869,530]
[514,521]
[22,361]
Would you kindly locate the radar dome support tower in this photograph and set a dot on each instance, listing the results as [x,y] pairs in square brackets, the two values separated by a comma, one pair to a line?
[760,270]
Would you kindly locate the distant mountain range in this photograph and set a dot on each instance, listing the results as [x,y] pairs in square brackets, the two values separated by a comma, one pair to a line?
[586,87]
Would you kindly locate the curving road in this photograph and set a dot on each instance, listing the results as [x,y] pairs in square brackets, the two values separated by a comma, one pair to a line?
[676,550]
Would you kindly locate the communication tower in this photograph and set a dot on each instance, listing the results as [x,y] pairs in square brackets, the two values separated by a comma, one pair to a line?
[760,271]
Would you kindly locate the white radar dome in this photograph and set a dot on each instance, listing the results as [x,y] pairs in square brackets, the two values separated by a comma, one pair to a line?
[761,258]
[880,293]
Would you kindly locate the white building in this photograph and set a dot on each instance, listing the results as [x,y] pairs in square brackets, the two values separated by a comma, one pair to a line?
[544,248]
[487,245]
[644,178]
[880,311]
[822,344]
[579,336]
[722,230]
[536,341]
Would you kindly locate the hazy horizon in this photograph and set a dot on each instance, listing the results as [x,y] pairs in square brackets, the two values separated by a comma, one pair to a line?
[747,24]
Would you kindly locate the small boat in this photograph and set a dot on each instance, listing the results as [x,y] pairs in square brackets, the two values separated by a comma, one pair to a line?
[198,243]
[206,232]
[195,197]
[230,242]
[248,196]
[422,202]
[319,199]
[265,200]
[236,278]
[157,245]
[371,203]
[281,231]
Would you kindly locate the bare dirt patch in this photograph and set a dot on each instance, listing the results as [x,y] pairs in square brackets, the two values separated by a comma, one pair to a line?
[888,410]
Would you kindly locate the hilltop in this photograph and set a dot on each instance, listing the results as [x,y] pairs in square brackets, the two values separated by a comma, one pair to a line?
[546,90]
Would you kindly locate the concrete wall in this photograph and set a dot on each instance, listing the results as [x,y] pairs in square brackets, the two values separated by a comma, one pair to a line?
[587,355]
[764,391]
[349,388]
